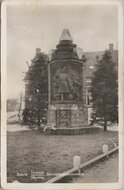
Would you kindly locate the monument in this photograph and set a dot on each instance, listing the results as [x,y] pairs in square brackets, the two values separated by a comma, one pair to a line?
[67,87]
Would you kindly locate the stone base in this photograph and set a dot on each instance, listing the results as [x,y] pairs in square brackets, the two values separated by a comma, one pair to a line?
[72,131]
[67,116]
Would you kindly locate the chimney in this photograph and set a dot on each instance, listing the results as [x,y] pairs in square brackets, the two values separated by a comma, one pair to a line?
[38,51]
[111,47]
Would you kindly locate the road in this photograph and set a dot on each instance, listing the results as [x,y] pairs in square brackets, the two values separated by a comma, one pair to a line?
[102,172]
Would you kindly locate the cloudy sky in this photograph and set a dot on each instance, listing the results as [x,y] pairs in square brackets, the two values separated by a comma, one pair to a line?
[28,27]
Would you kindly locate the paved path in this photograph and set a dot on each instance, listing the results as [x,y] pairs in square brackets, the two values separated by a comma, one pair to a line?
[112,128]
[17,127]
[109,128]
[102,172]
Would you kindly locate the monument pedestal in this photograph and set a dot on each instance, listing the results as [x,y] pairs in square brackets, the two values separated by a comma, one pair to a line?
[67,116]
[68,120]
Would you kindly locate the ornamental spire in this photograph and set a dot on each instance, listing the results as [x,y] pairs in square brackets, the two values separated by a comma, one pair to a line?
[66,35]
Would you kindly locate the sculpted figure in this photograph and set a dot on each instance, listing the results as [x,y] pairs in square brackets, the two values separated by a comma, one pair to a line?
[65,86]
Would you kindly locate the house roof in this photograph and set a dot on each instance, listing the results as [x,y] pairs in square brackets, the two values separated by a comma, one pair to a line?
[94,57]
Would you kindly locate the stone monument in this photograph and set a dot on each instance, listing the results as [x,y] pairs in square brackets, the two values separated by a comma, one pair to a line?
[67,86]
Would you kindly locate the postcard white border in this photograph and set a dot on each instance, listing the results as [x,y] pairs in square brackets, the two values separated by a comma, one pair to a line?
[76,186]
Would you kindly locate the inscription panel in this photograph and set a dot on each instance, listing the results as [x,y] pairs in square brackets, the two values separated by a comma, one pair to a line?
[77,117]
[63,118]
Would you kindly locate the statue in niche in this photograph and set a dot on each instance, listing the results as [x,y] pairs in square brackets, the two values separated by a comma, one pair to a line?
[66,85]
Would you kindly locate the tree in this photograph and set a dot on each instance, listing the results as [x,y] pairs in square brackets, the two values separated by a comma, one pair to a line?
[37,98]
[104,90]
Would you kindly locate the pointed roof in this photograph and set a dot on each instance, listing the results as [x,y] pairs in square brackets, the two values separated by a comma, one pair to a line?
[66,35]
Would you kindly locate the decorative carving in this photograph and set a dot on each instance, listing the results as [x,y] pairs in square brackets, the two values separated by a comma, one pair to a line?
[77,117]
[66,85]
[52,117]
[64,118]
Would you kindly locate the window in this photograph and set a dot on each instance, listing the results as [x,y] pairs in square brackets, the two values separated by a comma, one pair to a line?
[88,80]
[88,97]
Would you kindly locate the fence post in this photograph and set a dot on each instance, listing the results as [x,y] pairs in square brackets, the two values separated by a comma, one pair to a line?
[77,163]
[105,149]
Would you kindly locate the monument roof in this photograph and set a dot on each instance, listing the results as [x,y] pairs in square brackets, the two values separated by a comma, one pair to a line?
[66,35]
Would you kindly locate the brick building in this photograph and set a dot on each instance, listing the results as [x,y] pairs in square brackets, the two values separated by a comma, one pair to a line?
[92,60]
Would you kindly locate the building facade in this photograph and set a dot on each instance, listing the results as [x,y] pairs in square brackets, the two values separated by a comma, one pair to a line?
[92,60]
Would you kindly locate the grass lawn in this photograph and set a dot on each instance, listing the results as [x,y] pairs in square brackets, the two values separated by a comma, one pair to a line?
[31,150]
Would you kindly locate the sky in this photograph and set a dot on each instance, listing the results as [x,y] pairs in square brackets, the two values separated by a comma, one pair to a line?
[92,27]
